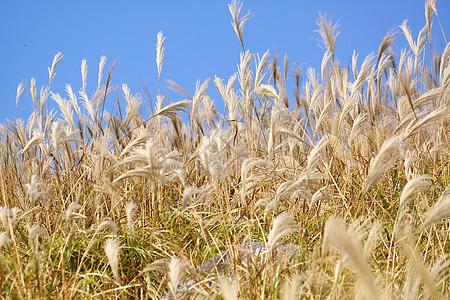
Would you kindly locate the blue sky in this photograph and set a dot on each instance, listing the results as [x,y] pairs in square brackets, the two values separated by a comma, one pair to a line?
[200,41]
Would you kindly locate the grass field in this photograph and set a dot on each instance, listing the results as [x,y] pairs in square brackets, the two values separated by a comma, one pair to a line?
[353,168]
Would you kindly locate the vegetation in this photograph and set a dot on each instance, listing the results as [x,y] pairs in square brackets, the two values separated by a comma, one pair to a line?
[353,169]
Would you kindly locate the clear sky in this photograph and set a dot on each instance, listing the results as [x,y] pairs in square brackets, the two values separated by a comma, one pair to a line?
[200,41]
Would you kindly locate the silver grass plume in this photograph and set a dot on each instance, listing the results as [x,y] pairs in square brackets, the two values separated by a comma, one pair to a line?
[441,113]
[291,288]
[357,127]
[416,47]
[415,185]
[430,7]
[382,161]
[73,100]
[4,239]
[34,189]
[65,108]
[19,92]
[246,81]
[229,97]
[160,265]
[238,21]
[61,134]
[112,248]
[439,211]
[229,288]
[35,231]
[37,139]
[267,90]
[319,194]
[130,207]
[412,283]
[15,211]
[418,264]
[246,166]
[159,52]
[408,159]
[336,234]
[4,217]
[440,269]
[284,224]
[133,105]
[176,271]
[314,156]
[328,33]
[171,110]
[140,140]
[261,67]
[51,71]
[187,194]
[200,93]
[372,238]
[174,86]
[101,66]
[84,74]
[71,212]
[109,225]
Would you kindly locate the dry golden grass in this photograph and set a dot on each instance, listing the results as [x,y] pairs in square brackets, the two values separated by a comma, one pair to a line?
[355,172]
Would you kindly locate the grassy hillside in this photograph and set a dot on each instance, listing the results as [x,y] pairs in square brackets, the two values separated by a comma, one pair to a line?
[353,168]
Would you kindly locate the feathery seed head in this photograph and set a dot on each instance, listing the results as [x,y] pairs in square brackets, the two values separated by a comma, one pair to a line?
[328,33]
[284,224]
[439,211]
[101,66]
[71,212]
[35,230]
[336,234]
[159,52]
[131,206]
[176,271]
[238,22]
[34,189]
[112,248]
[415,185]
[187,194]
[110,225]
[4,216]
[84,73]
[4,239]
[51,71]
[229,288]
[382,161]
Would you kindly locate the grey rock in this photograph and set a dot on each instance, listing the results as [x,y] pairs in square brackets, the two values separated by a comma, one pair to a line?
[224,263]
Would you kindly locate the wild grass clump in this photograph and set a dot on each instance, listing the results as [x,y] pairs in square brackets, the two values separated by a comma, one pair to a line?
[353,170]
